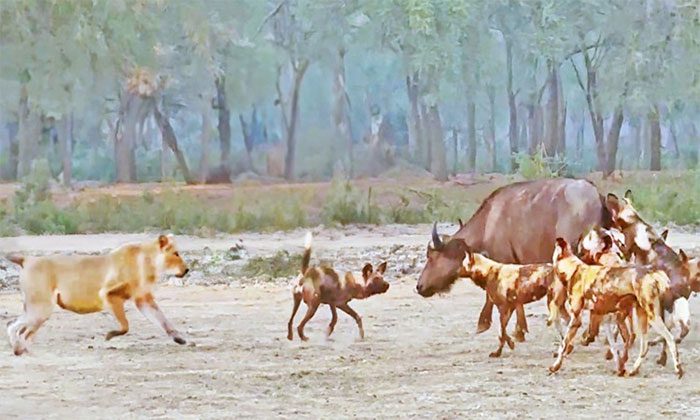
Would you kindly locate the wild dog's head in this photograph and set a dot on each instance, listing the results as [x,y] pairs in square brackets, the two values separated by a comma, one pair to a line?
[639,235]
[374,279]
[694,274]
[602,247]
[445,258]
[169,260]
[564,261]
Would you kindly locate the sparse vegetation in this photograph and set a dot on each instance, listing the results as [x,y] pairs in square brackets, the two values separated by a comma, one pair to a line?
[282,264]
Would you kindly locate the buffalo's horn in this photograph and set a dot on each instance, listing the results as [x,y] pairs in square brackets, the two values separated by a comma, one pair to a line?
[437,242]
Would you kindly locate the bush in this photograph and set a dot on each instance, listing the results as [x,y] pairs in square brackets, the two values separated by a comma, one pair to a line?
[282,264]
[538,166]
[345,205]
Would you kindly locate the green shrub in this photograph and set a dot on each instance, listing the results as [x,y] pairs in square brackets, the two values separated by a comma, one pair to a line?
[345,204]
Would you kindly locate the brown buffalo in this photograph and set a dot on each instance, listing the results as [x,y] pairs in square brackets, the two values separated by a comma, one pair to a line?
[518,224]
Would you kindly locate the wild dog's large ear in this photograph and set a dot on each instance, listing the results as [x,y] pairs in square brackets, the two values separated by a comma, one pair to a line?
[628,195]
[683,256]
[367,271]
[664,235]
[382,268]
[613,204]
[163,241]
[607,243]
[563,247]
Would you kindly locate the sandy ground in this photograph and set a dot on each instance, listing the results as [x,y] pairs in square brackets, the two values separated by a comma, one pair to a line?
[420,357]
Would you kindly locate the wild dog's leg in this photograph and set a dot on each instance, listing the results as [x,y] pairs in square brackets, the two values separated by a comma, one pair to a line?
[485,316]
[334,319]
[348,310]
[521,324]
[642,328]
[148,307]
[116,303]
[505,312]
[566,346]
[613,348]
[660,328]
[297,302]
[593,329]
[310,312]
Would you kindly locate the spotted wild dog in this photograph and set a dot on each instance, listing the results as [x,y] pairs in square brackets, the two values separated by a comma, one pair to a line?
[610,290]
[645,246]
[323,285]
[89,283]
[508,286]
[602,246]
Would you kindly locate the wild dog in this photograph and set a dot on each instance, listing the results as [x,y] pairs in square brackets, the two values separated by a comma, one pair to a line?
[442,269]
[612,289]
[323,285]
[90,283]
[508,286]
[602,246]
[645,246]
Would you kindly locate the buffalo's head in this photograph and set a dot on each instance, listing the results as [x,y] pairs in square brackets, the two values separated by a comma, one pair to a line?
[445,258]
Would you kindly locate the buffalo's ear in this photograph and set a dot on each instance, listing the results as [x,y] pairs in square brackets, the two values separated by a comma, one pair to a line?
[367,271]
[613,204]
[664,235]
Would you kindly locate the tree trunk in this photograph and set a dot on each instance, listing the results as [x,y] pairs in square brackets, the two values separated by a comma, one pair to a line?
[133,111]
[613,140]
[204,142]
[655,140]
[426,135]
[471,134]
[9,149]
[65,140]
[535,127]
[552,129]
[438,162]
[289,160]
[513,110]
[248,137]
[341,116]
[455,151]
[491,139]
[674,140]
[28,135]
[637,139]
[169,138]
[419,145]
[561,145]
[580,136]
[224,123]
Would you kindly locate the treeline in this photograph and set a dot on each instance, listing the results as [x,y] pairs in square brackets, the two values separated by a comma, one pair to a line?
[136,90]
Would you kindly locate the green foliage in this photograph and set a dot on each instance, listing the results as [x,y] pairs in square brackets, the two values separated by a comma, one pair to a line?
[345,204]
[538,166]
[670,198]
[282,264]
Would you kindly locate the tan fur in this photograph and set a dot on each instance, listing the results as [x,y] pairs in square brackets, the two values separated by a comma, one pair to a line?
[508,286]
[608,290]
[87,283]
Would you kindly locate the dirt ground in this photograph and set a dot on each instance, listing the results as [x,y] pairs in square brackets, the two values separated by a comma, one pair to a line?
[420,357]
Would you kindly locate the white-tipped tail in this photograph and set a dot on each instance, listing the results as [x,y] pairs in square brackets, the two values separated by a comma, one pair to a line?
[308,240]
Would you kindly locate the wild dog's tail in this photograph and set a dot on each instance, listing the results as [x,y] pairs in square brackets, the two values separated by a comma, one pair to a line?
[17,259]
[306,258]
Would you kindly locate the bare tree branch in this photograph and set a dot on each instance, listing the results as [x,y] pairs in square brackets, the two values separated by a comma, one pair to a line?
[270,16]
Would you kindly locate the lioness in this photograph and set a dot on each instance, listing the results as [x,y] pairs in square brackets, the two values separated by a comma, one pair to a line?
[89,283]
